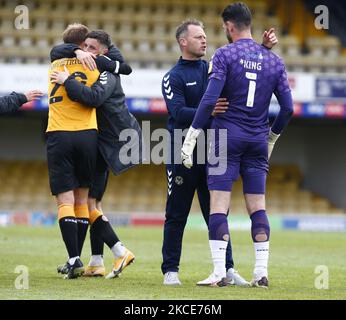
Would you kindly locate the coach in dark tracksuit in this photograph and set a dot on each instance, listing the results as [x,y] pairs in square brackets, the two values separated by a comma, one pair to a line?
[186,83]
[113,116]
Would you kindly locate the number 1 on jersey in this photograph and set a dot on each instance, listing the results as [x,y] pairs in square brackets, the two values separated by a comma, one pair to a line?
[252,88]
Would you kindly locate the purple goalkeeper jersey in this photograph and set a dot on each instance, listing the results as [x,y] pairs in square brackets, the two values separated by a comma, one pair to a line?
[251,74]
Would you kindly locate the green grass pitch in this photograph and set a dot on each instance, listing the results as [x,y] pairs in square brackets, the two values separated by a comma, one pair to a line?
[293,259]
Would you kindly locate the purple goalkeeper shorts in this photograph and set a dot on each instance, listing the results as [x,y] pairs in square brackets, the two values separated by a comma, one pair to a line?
[245,158]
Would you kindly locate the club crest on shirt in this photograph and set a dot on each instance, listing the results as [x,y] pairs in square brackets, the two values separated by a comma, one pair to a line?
[179,180]
[210,67]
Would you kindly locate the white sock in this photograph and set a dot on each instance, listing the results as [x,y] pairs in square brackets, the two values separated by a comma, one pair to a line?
[72,260]
[118,250]
[96,261]
[262,257]
[218,255]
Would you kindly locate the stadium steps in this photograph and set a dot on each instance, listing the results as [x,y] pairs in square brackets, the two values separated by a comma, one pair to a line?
[24,187]
[150,42]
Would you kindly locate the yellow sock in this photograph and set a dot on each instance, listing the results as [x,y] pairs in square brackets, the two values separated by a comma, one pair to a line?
[94,215]
[82,211]
[65,210]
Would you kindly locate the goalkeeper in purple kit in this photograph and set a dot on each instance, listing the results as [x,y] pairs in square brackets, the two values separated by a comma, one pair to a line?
[247,75]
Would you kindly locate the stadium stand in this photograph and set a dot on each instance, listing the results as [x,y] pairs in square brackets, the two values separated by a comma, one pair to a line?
[25,187]
[144,30]
[151,43]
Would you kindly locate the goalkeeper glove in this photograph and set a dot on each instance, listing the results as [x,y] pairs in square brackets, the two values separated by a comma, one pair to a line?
[271,142]
[188,146]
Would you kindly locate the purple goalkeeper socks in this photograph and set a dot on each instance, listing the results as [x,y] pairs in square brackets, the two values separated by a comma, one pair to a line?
[218,227]
[260,229]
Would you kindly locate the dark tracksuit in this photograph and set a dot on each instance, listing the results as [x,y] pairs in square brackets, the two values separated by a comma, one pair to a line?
[182,88]
[12,102]
[113,116]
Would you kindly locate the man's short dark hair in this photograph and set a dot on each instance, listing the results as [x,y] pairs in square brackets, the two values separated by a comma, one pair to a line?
[183,27]
[238,13]
[102,36]
[75,33]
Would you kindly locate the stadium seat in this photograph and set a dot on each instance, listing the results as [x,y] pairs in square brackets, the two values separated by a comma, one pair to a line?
[7,25]
[8,41]
[30,191]
[329,46]
[290,45]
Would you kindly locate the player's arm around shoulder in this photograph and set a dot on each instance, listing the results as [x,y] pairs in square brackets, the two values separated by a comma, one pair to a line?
[105,63]
[71,50]
[64,50]
[93,96]
[114,62]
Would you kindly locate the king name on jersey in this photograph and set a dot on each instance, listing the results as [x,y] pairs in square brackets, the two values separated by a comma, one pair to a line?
[251,65]
[248,62]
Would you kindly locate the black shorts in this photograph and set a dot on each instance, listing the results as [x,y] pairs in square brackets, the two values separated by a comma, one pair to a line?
[71,157]
[100,179]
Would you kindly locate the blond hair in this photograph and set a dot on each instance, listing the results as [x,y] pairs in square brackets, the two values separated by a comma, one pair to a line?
[75,33]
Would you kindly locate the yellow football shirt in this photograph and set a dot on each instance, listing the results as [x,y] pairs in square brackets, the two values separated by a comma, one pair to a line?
[65,114]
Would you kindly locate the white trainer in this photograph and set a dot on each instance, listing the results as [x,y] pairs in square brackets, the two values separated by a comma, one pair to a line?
[234,278]
[213,281]
[171,279]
